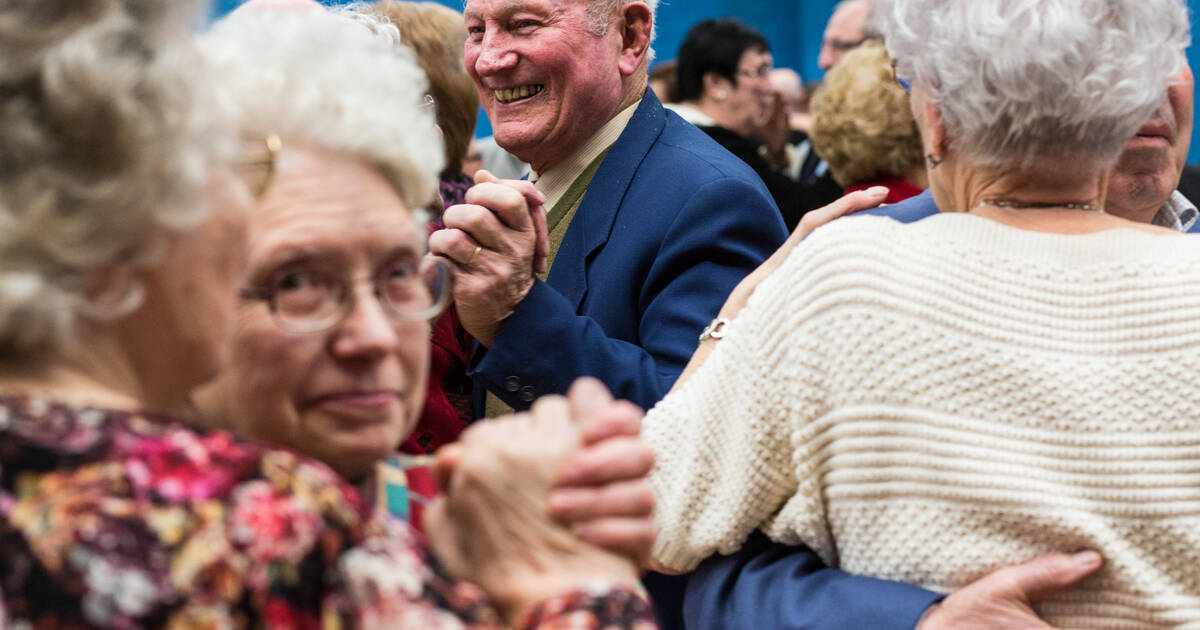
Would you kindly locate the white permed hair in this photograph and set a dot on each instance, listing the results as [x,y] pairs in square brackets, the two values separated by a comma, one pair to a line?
[1023,81]
[107,139]
[339,80]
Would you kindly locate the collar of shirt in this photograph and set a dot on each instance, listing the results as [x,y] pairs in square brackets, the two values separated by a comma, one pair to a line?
[557,179]
[1178,213]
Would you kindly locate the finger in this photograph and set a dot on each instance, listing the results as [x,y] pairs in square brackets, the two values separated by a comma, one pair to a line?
[630,537]
[535,200]
[625,498]
[1047,576]
[848,204]
[620,419]
[454,245]
[587,398]
[611,460]
[479,222]
[483,176]
[549,409]
[541,250]
[508,204]
[446,461]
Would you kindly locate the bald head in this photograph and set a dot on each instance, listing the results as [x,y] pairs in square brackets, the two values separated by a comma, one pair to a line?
[281,5]
[848,27]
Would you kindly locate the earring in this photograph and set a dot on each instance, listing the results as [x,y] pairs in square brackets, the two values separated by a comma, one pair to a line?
[933,160]
[721,95]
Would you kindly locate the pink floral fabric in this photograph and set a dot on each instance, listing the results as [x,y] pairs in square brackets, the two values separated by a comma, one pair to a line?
[123,521]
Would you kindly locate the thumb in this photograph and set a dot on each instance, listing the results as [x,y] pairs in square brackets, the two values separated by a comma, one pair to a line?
[1050,575]
[483,176]
[447,460]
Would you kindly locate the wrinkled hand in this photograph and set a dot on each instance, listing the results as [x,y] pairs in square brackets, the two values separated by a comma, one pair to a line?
[1005,599]
[851,203]
[495,242]
[602,490]
[492,525]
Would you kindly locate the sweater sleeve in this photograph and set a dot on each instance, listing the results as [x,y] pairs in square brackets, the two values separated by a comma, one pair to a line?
[726,462]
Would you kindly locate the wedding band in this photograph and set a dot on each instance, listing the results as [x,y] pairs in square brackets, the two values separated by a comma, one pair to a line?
[478,248]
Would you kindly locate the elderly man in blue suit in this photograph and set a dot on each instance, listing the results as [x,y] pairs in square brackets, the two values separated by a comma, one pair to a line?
[651,224]
[769,586]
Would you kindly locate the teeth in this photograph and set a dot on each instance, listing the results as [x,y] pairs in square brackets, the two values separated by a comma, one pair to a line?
[517,93]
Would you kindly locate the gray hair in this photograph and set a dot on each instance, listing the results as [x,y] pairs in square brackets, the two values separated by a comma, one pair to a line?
[106,146]
[601,11]
[339,80]
[1023,81]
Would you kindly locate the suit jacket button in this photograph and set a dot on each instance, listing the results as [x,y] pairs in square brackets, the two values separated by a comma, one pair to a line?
[512,384]
[528,394]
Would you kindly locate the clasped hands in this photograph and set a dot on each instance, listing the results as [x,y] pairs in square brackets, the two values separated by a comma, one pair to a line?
[496,242]
[542,503]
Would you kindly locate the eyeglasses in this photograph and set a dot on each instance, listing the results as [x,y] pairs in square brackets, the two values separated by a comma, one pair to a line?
[760,72]
[307,298]
[904,83]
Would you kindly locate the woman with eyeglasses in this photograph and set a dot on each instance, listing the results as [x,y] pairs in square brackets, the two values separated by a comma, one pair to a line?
[1005,381]
[122,237]
[329,351]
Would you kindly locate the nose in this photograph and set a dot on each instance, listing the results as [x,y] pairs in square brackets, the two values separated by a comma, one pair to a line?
[826,58]
[367,333]
[495,55]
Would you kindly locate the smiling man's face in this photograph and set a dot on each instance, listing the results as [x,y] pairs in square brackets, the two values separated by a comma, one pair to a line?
[547,81]
[1149,168]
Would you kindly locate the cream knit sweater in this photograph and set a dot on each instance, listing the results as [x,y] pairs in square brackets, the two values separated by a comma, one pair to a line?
[930,402]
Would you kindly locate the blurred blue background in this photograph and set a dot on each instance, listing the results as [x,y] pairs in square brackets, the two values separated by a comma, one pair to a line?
[793,27]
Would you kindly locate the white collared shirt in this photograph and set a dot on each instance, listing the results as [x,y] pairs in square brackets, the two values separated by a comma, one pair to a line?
[557,179]
[1178,213]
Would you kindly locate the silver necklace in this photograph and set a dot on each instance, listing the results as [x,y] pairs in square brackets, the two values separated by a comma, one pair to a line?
[1005,203]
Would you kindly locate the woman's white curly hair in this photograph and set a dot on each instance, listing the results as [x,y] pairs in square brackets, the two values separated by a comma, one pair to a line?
[339,80]
[1019,82]
[106,145]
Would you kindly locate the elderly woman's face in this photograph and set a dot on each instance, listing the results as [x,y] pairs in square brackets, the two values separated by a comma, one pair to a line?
[348,393]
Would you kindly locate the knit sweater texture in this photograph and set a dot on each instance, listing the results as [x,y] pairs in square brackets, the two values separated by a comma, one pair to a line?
[931,402]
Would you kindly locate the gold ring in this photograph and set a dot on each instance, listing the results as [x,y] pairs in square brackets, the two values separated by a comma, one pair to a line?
[478,248]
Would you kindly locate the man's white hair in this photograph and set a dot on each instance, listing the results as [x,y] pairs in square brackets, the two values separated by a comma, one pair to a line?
[601,12]
[1023,81]
[339,80]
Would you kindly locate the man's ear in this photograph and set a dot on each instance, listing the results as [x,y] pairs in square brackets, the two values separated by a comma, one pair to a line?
[636,24]
[935,143]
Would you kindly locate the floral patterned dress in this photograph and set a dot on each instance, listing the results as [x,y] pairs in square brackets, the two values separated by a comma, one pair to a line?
[117,520]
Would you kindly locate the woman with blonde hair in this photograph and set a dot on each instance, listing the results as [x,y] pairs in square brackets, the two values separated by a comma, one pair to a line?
[863,127]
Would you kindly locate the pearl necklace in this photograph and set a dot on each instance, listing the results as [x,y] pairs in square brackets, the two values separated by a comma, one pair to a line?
[1004,203]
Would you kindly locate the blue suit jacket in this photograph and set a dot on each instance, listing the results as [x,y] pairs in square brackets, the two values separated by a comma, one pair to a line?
[767,586]
[670,223]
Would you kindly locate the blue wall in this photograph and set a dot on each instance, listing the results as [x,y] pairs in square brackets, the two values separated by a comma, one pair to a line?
[793,27]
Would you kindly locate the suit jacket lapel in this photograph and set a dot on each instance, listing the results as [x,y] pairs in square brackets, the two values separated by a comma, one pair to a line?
[593,222]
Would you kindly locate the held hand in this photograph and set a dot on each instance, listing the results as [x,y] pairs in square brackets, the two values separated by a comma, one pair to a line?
[492,525]
[851,203]
[601,490]
[1005,598]
[495,242]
